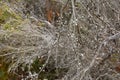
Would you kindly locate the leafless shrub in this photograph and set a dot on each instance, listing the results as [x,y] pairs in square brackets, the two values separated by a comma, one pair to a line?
[85,41]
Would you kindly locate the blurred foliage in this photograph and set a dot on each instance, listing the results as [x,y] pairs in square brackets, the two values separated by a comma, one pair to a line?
[50,73]
[114,58]
[11,25]
[8,18]
[3,70]
[4,75]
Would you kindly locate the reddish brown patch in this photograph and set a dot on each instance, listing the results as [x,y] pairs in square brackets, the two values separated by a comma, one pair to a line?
[50,15]
[117,68]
